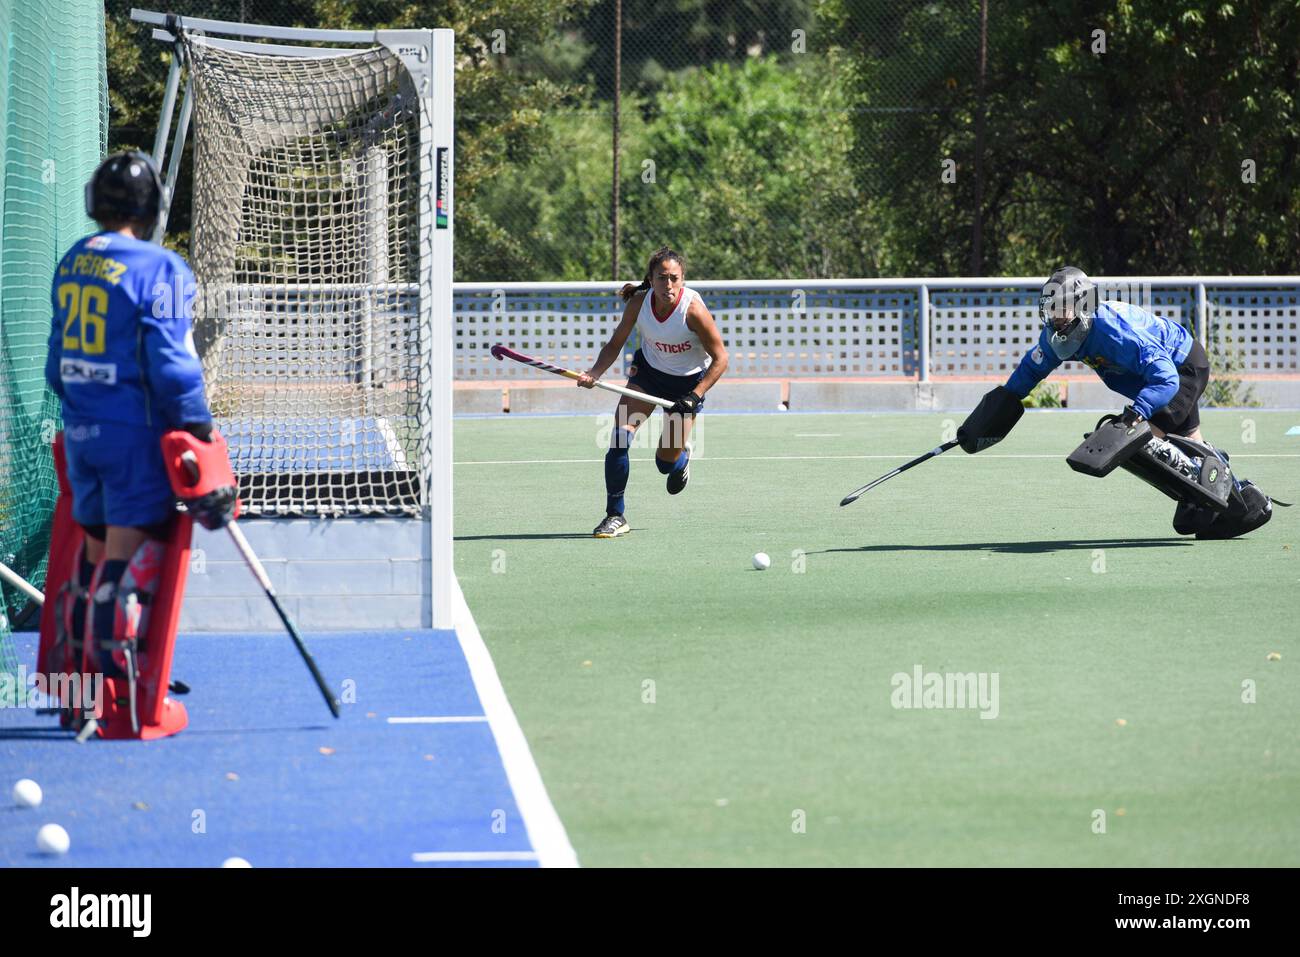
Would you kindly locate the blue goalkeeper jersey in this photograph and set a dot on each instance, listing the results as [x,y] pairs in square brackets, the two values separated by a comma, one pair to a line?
[121,346]
[1135,352]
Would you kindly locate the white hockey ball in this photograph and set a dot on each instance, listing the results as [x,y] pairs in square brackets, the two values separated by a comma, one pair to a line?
[52,839]
[27,793]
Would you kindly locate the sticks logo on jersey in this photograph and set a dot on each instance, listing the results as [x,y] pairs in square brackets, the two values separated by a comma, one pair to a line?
[673,347]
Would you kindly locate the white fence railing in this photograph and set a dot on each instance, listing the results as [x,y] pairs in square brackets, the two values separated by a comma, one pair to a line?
[861,328]
[915,328]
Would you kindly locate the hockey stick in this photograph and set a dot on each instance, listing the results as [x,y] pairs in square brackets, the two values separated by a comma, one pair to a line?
[259,572]
[853,496]
[24,586]
[503,352]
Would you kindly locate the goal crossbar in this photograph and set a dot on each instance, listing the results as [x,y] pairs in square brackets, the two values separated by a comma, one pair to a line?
[241,46]
[260,30]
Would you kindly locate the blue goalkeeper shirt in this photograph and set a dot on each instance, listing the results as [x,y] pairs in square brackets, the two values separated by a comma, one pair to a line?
[1135,352]
[121,346]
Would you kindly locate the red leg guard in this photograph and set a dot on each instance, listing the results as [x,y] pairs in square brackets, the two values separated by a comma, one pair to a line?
[144,647]
[158,570]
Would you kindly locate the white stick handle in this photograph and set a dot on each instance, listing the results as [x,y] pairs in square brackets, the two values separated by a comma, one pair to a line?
[13,578]
[250,557]
[501,352]
[633,394]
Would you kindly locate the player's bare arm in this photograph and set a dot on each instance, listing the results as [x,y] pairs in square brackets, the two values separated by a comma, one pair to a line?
[614,347]
[700,321]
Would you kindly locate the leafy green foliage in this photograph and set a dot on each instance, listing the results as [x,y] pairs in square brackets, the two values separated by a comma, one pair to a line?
[1045,395]
[499,108]
[1118,135]
[740,167]
[1227,363]
[811,137]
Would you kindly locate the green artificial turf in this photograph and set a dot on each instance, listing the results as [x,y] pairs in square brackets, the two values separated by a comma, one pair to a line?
[686,709]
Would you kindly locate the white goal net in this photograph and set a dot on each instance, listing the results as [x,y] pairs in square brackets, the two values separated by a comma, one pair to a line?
[308,236]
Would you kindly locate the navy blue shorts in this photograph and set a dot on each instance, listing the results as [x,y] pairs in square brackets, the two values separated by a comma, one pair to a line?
[1182,416]
[117,475]
[646,378]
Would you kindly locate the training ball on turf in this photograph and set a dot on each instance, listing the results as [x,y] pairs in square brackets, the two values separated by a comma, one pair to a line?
[27,793]
[52,839]
[761,561]
[235,862]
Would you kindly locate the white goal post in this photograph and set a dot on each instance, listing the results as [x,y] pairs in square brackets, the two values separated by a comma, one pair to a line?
[322,245]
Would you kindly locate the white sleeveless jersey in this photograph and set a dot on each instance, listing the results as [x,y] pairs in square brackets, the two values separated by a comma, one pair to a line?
[668,344]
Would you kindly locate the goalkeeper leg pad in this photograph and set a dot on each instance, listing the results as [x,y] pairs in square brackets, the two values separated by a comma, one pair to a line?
[1248,510]
[1207,485]
[1166,465]
[136,648]
[60,652]
[1109,446]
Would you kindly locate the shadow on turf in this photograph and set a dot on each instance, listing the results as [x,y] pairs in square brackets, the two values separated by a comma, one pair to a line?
[1020,548]
[519,538]
[37,733]
[54,733]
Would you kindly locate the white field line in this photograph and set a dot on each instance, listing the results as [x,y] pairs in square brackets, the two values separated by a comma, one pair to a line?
[395,450]
[435,857]
[545,830]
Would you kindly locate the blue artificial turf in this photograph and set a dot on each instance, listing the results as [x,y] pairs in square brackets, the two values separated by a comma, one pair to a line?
[264,773]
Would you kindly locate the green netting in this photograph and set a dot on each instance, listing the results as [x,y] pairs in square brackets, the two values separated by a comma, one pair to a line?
[53,131]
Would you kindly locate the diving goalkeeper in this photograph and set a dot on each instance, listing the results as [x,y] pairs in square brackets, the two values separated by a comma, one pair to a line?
[1163,371]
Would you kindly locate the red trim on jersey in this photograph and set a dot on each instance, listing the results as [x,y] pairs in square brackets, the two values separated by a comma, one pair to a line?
[655,312]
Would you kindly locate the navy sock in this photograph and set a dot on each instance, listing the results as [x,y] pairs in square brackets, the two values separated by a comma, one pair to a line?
[674,466]
[85,571]
[80,599]
[617,468]
[104,605]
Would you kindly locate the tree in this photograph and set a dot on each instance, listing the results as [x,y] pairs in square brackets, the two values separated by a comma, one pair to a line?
[1116,138]
[752,175]
[665,38]
[499,108]
[743,167]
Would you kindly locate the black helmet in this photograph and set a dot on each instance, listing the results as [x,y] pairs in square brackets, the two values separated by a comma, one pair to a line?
[125,186]
[1070,298]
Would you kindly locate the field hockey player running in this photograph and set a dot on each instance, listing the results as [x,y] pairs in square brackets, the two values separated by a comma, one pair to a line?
[681,357]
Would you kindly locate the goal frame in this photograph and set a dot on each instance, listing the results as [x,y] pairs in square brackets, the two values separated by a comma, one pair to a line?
[428,56]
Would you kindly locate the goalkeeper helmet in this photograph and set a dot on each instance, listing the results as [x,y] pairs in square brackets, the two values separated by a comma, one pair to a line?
[1068,303]
[125,186]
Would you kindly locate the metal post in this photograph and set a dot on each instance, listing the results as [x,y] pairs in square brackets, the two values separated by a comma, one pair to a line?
[439,130]
[374,170]
[174,167]
[618,106]
[977,231]
[923,333]
[168,106]
[1202,316]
